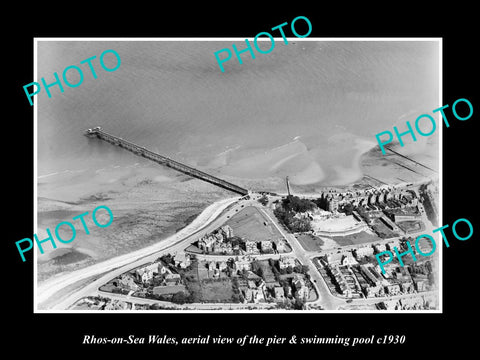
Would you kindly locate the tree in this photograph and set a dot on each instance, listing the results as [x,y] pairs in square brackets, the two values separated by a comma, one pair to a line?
[298,205]
[297,268]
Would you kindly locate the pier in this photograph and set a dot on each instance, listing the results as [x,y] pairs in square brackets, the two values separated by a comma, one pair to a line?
[97,132]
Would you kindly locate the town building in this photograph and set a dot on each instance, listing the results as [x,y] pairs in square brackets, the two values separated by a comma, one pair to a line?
[371,275]
[393,289]
[420,283]
[227,231]
[222,265]
[373,291]
[182,260]
[127,282]
[363,251]
[222,248]
[378,248]
[146,273]
[254,295]
[266,246]
[285,262]
[206,243]
[348,260]
[333,259]
[407,287]
[251,247]
[241,265]
[279,293]
[172,279]
[280,246]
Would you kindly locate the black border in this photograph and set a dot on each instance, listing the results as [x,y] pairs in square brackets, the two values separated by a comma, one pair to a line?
[62,334]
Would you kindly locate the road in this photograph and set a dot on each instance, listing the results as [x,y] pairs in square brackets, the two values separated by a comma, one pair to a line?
[196,306]
[325,298]
[210,219]
[207,221]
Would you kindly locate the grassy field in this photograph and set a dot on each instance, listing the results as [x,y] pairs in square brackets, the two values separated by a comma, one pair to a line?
[353,239]
[383,230]
[249,224]
[205,290]
[411,226]
[217,291]
[310,242]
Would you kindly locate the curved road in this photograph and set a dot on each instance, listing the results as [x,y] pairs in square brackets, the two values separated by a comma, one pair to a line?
[54,291]
[207,221]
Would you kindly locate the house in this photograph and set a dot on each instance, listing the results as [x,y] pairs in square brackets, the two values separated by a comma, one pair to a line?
[254,295]
[222,265]
[266,246]
[251,247]
[363,251]
[211,265]
[304,291]
[348,259]
[163,269]
[117,305]
[379,248]
[279,293]
[401,274]
[373,291]
[301,291]
[182,260]
[223,248]
[241,265]
[206,243]
[407,287]
[334,258]
[146,273]
[392,244]
[280,246]
[227,231]
[127,282]
[285,262]
[420,283]
[393,289]
[371,275]
[172,278]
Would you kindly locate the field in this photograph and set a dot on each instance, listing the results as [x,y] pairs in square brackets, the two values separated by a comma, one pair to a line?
[383,231]
[217,291]
[310,242]
[204,289]
[411,226]
[267,272]
[249,224]
[354,239]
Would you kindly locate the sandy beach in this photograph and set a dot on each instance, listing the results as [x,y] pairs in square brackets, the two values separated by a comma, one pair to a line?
[149,204]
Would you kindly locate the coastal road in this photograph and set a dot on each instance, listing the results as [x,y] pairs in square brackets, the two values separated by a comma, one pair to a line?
[55,295]
[191,306]
[52,289]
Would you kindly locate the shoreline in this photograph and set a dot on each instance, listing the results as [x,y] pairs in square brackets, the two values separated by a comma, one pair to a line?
[46,289]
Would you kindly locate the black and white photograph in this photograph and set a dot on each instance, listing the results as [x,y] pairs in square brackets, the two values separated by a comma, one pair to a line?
[220,181]
[262,187]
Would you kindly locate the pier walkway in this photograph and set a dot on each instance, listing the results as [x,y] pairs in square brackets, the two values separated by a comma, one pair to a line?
[97,132]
